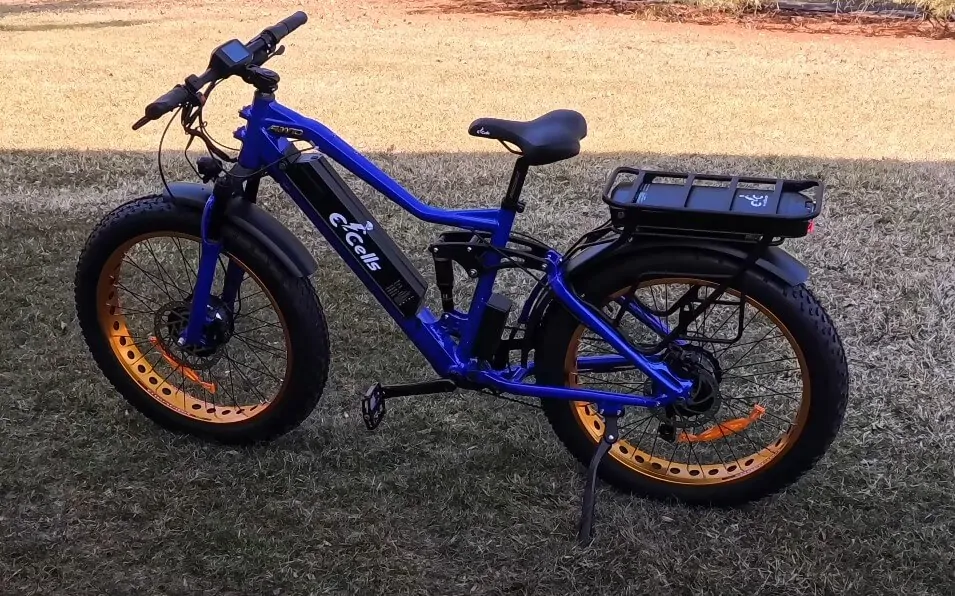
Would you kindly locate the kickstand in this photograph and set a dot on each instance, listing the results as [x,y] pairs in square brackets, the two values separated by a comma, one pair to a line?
[585,530]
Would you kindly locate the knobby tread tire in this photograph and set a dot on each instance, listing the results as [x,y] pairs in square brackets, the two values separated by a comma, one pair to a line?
[294,295]
[795,306]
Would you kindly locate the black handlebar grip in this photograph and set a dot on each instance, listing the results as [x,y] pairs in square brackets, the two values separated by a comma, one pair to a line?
[286,26]
[167,102]
[294,21]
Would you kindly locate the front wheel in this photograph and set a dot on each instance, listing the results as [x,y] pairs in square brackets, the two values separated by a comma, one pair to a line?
[263,360]
[770,369]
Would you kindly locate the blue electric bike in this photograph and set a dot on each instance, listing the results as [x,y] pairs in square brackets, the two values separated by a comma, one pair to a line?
[681,309]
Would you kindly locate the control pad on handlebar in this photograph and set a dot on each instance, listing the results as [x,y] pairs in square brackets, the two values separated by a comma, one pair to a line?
[230,58]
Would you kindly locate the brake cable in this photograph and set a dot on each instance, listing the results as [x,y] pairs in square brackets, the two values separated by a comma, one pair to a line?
[188,120]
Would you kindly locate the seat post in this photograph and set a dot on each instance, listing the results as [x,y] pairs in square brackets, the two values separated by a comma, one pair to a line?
[512,198]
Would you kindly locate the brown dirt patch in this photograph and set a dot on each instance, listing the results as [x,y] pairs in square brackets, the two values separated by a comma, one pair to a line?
[781,20]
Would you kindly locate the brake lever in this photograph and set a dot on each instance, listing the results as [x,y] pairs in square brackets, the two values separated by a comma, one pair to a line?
[192,109]
[265,54]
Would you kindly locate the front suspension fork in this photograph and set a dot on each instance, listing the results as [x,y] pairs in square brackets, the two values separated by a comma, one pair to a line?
[213,222]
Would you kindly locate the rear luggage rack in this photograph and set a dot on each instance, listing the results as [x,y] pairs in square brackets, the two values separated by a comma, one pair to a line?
[737,208]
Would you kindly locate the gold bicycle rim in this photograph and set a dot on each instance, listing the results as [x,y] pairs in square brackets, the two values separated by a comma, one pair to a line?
[686,473]
[141,371]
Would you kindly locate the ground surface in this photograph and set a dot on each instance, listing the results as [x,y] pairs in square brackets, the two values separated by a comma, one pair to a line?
[468,495]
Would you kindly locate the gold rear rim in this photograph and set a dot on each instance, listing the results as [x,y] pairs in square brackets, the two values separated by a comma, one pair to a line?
[740,455]
[208,393]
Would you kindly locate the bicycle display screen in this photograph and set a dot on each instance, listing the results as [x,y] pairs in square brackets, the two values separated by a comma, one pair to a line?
[235,51]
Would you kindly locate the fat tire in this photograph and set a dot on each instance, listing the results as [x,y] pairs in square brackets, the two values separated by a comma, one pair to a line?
[294,296]
[795,306]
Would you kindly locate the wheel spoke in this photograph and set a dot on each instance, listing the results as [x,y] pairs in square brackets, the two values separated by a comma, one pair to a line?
[646,427]
[182,388]
[692,452]
[739,345]
[760,374]
[256,319]
[219,385]
[255,369]
[130,311]
[729,445]
[151,278]
[140,343]
[247,379]
[615,383]
[182,255]
[258,292]
[142,355]
[653,446]
[749,351]
[633,424]
[761,386]
[726,368]
[666,471]
[162,270]
[719,453]
[261,327]
[251,311]
[257,357]
[257,344]
[133,294]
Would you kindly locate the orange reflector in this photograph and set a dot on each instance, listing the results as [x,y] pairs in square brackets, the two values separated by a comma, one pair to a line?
[724,429]
[186,371]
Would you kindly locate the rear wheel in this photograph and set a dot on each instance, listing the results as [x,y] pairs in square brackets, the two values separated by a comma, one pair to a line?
[264,360]
[769,401]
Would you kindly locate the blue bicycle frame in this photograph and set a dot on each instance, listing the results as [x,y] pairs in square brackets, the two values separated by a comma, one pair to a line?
[447,341]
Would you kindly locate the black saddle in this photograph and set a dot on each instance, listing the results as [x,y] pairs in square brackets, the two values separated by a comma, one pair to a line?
[552,137]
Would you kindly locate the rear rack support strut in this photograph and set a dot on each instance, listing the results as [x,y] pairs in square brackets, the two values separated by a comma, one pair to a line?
[759,249]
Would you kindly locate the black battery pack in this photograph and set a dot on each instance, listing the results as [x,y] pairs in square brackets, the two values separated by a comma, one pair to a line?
[358,236]
[492,326]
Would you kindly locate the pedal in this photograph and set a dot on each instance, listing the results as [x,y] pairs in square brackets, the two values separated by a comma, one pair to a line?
[373,406]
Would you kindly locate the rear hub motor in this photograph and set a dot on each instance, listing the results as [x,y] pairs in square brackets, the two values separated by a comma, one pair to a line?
[705,399]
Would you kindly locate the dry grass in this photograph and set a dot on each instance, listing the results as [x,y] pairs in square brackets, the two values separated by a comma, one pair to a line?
[467,495]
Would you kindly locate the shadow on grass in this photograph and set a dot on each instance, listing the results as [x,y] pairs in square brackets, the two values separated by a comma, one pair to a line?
[73,26]
[456,494]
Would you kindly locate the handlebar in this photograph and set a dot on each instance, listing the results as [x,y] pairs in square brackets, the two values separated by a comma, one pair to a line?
[282,28]
[261,48]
